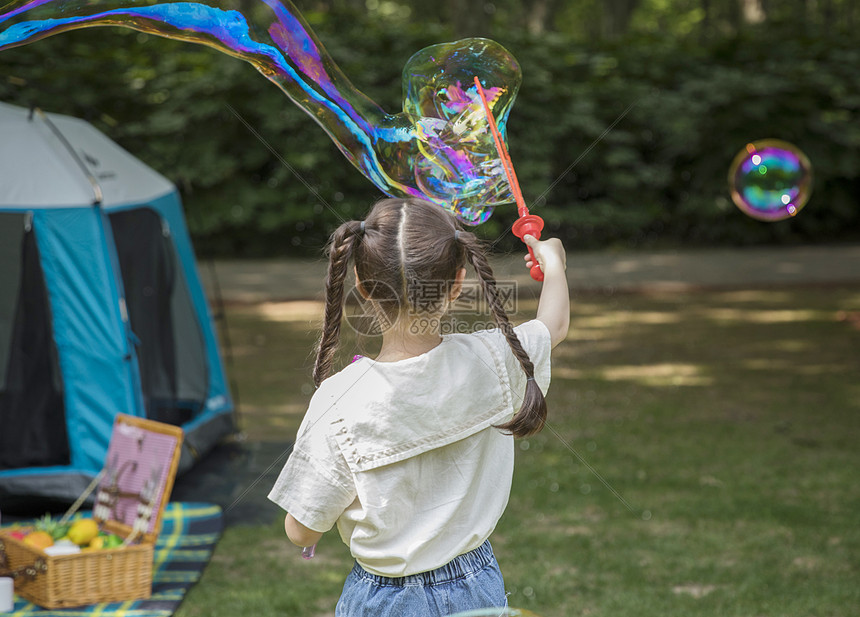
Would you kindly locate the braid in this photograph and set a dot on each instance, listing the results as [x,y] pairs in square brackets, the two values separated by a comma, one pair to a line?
[532,414]
[340,249]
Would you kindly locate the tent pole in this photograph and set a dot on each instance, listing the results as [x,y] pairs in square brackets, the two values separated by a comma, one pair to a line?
[221,316]
[97,189]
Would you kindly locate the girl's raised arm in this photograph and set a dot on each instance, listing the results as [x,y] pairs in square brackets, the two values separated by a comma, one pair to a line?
[554,304]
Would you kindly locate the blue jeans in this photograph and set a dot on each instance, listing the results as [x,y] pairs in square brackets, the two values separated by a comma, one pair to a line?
[471,581]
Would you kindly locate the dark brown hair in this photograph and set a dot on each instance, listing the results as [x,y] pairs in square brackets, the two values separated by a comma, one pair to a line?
[402,245]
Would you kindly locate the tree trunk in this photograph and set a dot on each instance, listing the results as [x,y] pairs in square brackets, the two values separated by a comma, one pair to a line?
[752,11]
[616,17]
[805,11]
[734,16]
[538,15]
[468,19]
[705,28]
[827,13]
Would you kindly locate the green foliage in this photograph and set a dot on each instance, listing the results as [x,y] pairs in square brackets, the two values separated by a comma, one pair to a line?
[660,175]
[680,111]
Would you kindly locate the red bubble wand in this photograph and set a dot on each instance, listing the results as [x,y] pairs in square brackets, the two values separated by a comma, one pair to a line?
[530,224]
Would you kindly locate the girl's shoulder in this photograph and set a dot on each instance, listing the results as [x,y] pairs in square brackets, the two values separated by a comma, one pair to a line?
[533,335]
[332,391]
[335,385]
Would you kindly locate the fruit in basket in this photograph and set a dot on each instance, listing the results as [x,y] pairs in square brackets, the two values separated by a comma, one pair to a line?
[83,531]
[104,540]
[38,539]
[52,527]
[113,541]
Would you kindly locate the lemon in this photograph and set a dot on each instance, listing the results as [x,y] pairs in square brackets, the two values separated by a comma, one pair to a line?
[83,531]
[97,543]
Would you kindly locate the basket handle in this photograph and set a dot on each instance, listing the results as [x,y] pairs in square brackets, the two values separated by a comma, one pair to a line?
[80,500]
[26,573]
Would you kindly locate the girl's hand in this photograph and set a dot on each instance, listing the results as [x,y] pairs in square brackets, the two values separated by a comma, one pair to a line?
[549,253]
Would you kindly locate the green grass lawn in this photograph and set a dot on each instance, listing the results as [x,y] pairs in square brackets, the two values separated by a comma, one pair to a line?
[700,459]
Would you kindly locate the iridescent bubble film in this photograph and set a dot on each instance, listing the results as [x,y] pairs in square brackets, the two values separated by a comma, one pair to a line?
[439,147]
[770,180]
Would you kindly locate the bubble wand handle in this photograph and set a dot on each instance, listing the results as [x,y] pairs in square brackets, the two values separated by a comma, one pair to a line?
[530,224]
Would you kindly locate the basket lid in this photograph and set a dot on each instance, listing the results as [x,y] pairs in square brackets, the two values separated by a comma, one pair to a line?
[138,474]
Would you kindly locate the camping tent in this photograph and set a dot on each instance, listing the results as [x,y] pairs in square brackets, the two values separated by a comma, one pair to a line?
[101,308]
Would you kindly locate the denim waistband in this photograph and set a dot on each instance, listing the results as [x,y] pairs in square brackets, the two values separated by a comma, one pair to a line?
[458,568]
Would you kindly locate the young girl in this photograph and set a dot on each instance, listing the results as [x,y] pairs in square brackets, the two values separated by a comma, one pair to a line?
[411,453]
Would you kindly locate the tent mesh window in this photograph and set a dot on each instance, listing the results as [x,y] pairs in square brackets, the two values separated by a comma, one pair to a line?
[32,413]
[170,348]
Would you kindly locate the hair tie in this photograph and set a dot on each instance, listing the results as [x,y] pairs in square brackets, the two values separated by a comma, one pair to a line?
[361,227]
[530,379]
[456,235]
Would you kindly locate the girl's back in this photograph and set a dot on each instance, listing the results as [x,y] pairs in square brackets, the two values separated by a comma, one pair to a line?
[413,448]
[411,454]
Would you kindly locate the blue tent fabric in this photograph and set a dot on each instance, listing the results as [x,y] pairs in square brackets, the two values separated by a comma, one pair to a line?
[98,354]
[88,331]
[170,209]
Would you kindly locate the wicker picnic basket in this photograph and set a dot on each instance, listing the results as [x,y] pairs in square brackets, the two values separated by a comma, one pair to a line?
[134,487]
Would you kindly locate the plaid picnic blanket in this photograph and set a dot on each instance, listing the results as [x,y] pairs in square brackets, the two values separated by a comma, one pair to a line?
[188,536]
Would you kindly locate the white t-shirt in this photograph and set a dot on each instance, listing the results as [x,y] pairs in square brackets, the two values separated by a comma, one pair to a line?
[403,455]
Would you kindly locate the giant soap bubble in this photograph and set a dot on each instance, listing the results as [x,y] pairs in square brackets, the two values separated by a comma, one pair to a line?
[438,147]
[770,180]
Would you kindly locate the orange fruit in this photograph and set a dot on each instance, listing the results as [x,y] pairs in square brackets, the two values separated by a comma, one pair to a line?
[39,539]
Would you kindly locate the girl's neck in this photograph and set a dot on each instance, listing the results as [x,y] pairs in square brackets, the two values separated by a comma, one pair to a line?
[400,343]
